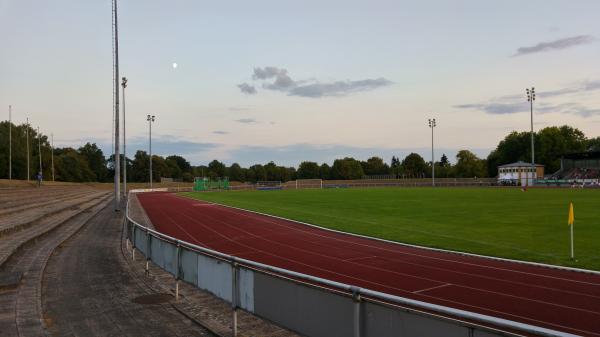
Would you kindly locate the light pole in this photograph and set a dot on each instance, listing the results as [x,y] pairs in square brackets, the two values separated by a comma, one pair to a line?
[117,159]
[27,141]
[124,85]
[150,120]
[9,142]
[40,148]
[52,154]
[432,125]
[530,99]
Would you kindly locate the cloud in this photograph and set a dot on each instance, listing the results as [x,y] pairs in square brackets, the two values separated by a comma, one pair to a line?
[266,73]
[219,132]
[278,79]
[338,88]
[511,104]
[247,88]
[496,108]
[555,45]
[247,121]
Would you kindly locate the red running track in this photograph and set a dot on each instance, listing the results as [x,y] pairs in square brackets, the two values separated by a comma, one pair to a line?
[557,299]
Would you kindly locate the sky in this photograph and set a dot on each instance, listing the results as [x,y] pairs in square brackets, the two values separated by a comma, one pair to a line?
[306,80]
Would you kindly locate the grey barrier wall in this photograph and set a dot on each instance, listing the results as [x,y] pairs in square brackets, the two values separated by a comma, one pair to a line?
[309,305]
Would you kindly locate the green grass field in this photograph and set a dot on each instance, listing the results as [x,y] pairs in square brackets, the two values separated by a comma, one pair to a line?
[500,222]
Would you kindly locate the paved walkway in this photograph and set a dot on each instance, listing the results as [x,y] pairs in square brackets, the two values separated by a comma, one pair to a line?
[89,290]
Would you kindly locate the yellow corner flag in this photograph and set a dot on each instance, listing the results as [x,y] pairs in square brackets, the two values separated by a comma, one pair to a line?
[571,215]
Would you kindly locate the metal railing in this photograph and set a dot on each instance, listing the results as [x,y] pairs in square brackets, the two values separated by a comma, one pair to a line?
[310,305]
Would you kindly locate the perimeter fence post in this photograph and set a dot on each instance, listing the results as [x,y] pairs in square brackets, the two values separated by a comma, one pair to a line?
[148,251]
[356,318]
[133,242]
[177,270]
[234,295]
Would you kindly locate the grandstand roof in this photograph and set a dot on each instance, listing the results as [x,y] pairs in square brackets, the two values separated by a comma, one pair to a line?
[520,164]
[582,155]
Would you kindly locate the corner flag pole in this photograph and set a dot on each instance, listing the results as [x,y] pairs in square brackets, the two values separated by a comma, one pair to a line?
[571,223]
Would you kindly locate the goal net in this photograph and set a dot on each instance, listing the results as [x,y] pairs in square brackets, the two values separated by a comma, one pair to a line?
[269,185]
[309,183]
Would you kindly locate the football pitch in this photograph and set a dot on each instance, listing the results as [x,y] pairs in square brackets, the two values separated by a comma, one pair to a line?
[503,222]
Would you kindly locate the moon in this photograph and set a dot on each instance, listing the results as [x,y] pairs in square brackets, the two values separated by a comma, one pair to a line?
[174,65]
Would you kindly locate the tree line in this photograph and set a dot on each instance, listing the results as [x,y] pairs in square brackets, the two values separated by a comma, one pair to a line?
[89,164]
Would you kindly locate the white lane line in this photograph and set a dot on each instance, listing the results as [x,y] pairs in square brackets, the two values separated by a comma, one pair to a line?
[436,287]
[352,259]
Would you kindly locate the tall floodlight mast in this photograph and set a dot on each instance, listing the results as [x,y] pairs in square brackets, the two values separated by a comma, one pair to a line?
[530,99]
[9,142]
[432,125]
[27,142]
[117,157]
[52,154]
[124,85]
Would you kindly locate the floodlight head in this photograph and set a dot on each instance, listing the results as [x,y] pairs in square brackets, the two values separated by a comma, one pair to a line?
[153,118]
[148,118]
[124,82]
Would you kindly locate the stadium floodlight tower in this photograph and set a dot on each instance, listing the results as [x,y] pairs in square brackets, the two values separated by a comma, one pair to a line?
[9,142]
[432,124]
[530,99]
[150,120]
[124,85]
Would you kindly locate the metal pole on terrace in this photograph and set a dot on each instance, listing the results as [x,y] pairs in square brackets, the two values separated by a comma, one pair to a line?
[9,142]
[432,125]
[52,152]
[117,158]
[40,148]
[124,85]
[530,99]
[150,119]
[27,141]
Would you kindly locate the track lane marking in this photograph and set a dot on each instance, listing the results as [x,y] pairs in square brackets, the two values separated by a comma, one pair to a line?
[432,288]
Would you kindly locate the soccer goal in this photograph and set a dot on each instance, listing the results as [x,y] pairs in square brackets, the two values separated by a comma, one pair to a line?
[309,183]
[268,185]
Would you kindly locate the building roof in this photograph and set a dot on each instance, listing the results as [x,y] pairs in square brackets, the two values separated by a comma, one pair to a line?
[582,155]
[520,164]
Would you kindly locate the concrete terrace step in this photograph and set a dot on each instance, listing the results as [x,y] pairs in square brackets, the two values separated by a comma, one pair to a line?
[18,221]
[40,201]
[23,314]
[10,244]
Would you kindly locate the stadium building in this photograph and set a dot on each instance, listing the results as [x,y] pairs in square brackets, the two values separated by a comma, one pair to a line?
[519,173]
[581,166]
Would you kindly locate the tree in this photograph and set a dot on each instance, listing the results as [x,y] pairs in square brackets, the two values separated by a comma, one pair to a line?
[216,169]
[347,168]
[236,173]
[375,166]
[181,162]
[468,165]
[593,144]
[444,162]
[308,170]
[96,160]
[396,166]
[71,166]
[140,167]
[324,171]
[556,141]
[414,166]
